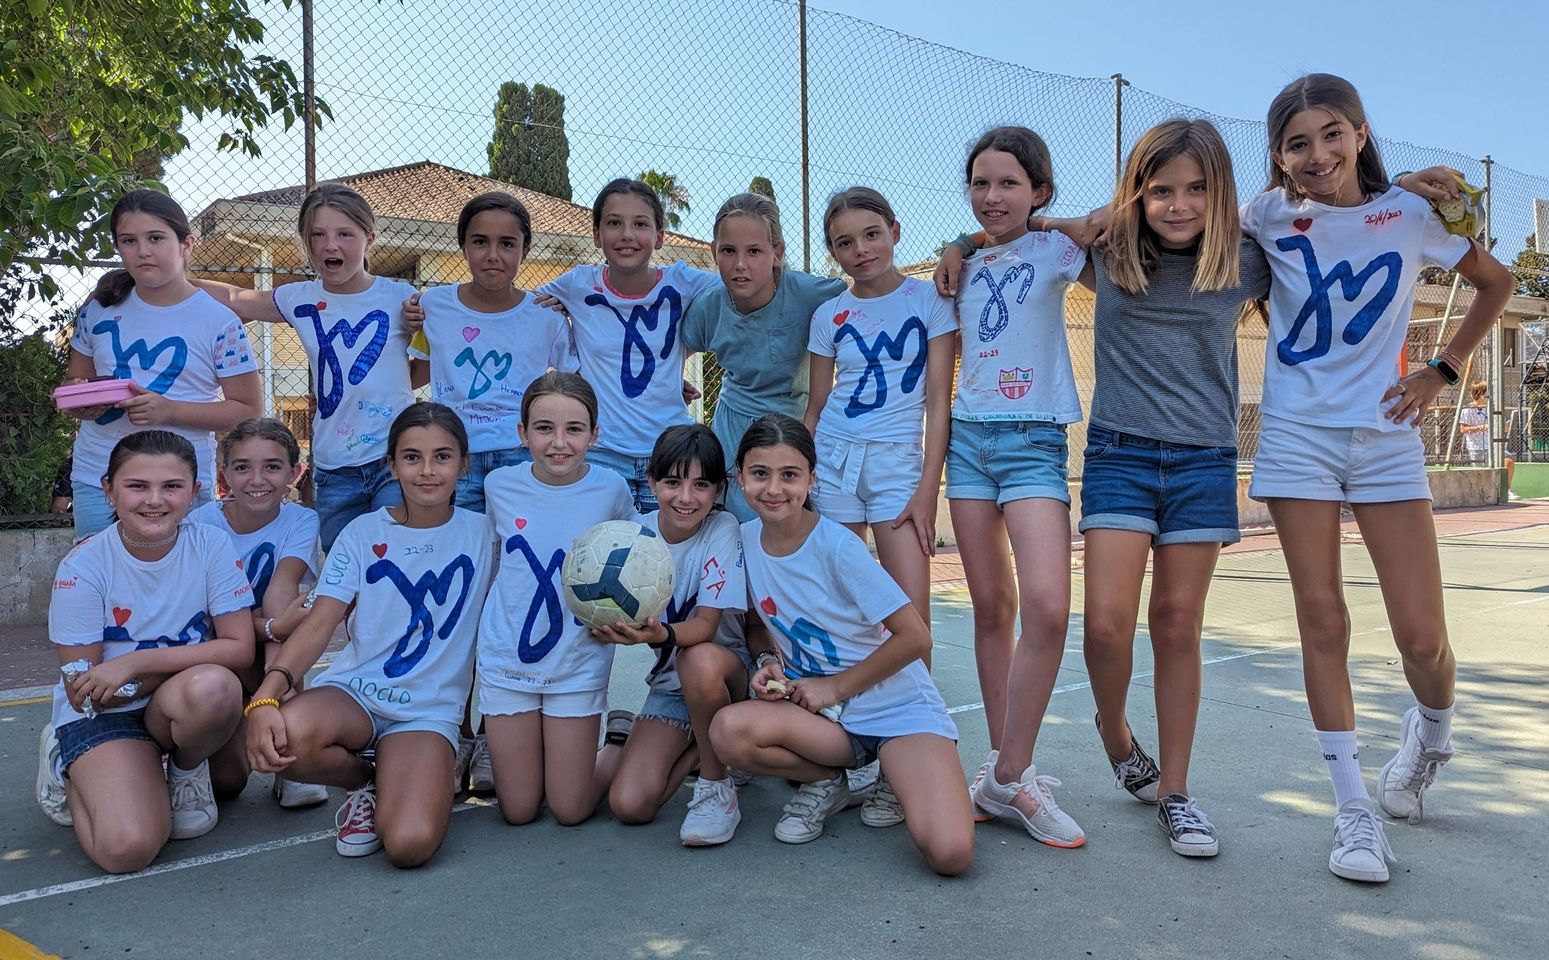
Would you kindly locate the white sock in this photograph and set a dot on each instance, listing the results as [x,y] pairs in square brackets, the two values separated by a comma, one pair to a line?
[1435,726]
[1344,766]
[178,771]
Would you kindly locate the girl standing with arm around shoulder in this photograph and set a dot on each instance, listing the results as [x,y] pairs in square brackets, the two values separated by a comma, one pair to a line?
[186,356]
[756,324]
[351,325]
[1339,426]
[543,678]
[847,638]
[412,579]
[626,315]
[148,671]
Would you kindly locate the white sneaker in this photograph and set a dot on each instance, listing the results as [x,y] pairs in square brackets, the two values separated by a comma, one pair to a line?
[481,769]
[465,748]
[740,778]
[1030,801]
[802,819]
[1404,779]
[862,781]
[1361,850]
[882,808]
[980,814]
[193,802]
[356,821]
[49,784]
[713,814]
[293,794]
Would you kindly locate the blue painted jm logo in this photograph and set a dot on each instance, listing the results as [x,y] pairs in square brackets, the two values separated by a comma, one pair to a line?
[545,601]
[145,356]
[259,567]
[330,373]
[997,292]
[875,375]
[429,586]
[633,379]
[486,370]
[804,635]
[1319,306]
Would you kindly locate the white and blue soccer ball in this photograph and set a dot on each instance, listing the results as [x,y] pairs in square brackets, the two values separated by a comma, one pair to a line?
[617,572]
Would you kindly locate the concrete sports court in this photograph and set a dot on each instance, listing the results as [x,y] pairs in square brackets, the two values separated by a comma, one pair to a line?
[1470,884]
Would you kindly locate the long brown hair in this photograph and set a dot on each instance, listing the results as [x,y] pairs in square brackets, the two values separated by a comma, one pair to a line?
[114,286]
[1336,95]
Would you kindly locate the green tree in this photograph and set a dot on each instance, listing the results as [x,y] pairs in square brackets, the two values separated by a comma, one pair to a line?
[529,147]
[763,186]
[92,96]
[674,195]
[1531,270]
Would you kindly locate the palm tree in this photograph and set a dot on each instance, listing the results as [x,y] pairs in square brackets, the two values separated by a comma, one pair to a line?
[674,195]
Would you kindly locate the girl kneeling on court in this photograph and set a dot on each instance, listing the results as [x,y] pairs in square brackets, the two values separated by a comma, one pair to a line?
[148,671]
[844,683]
[417,575]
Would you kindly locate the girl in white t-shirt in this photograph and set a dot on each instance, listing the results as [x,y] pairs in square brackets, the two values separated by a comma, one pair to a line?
[845,683]
[1345,249]
[412,579]
[543,678]
[159,604]
[701,660]
[186,356]
[351,325]
[483,341]
[625,316]
[276,539]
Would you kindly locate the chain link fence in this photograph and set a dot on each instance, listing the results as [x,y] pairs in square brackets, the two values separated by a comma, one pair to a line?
[710,93]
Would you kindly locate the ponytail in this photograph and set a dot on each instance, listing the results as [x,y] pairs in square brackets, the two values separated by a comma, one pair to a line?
[113,288]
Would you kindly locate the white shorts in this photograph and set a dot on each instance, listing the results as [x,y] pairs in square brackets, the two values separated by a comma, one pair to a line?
[500,702]
[866,481]
[1343,464]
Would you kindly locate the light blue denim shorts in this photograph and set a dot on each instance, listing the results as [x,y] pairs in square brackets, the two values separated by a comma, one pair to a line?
[1006,460]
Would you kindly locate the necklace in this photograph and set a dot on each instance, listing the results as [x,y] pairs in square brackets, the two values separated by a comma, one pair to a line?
[134,544]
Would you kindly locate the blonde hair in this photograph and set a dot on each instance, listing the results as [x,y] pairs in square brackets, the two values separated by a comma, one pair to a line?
[754,205]
[1133,252]
[341,198]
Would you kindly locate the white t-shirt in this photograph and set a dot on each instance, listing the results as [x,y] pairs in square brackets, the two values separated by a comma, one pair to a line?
[197,343]
[1339,306]
[418,593]
[481,363]
[707,571]
[358,349]
[879,345]
[292,533]
[104,595]
[630,352]
[1016,358]
[530,642]
[1478,442]
[824,605]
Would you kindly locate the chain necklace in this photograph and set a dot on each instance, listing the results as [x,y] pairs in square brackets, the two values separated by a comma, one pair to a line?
[134,544]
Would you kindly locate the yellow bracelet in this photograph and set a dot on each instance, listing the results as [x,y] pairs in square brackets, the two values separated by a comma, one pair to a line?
[265,702]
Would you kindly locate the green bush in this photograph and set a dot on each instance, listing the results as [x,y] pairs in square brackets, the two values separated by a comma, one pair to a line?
[35,438]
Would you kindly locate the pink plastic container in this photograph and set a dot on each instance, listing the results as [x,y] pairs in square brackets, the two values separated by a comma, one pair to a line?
[91,394]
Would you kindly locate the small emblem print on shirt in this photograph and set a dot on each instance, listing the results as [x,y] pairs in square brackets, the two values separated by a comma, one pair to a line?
[1015,383]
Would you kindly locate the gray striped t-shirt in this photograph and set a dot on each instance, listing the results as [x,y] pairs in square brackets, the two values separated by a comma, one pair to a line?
[1167,360]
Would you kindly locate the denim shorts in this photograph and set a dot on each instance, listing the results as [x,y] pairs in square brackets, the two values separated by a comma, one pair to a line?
[633,470]
[383,726]
[866,747]
[78,737]
[344,493]
[1302,461]
[1176,492]
[671,708]
[470,486]
[1006,460]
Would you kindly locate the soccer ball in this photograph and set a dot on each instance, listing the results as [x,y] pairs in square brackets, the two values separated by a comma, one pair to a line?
[617,572]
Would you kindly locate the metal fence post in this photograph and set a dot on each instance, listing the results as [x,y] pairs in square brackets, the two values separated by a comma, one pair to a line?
[1497,341]
[309,94]
[1119,83]
[806,185]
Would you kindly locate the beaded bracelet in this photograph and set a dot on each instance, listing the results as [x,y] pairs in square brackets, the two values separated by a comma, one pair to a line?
[247,711]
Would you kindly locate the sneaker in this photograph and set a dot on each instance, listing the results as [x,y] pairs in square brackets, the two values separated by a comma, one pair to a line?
[293,794]
[1188,829]
[1402,784]
[882,808]
[980,815]
[1139,774]
[193,802]
[50,785]
[1030,801]
[739,778]
[620,722]
[802,819]
[713,814]
[1361,850]
[862,782]
[465,748]
[481,769]
[356,820]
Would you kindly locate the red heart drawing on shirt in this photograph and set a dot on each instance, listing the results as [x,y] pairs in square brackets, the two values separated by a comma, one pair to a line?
[521,523]
[380,549]
[322,305]
[767,605]
[469,333]
[1302,223]
[239,564]
[841,317]
[121,615]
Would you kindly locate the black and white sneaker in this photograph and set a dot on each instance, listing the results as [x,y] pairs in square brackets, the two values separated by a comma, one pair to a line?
[1139,774]
[1188,829]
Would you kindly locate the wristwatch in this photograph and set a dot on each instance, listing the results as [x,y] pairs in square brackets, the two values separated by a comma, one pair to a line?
[1444,368]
